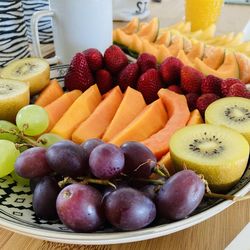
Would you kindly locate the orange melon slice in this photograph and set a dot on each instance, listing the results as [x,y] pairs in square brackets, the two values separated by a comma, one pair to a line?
[79,111]
[164,39]
[136,44]
[244,67]
[213,56]
[185,60]
[196,51]
[195,118]
[163,53]
[176,45]
[150,30]
[132,26]
[178,113]
[96,124]
[149,121]
[149,48]
[132,104]
[121,37]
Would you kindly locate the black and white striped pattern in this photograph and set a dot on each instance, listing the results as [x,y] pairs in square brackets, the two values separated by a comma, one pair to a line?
[44,26]
[13,39]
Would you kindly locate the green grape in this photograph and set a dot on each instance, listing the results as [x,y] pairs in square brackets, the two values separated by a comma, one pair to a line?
[32,120]
[46,140]
[9,154]
[20,180]
[8,126]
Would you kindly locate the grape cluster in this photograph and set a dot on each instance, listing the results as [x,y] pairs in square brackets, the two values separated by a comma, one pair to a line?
[89,185]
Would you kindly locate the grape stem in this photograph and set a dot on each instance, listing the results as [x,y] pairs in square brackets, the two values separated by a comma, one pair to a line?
[85,181]
[151,181]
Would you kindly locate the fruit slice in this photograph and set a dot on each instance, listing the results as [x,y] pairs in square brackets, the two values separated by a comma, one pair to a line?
[196,51]
[121,38]
[213,56]
[132,104]
[163,53]
[13,96]
[178,114]
[185,60]
[218,153]
[136,44]
[195,118]
[49,94]
[150,31]
[98,121]
[164,39]
[229,69]
[34,71]
[232,112]
[244,67]
[176,44]
[57,108]
[140,128]
[79,111]
[132,26]
[149,48]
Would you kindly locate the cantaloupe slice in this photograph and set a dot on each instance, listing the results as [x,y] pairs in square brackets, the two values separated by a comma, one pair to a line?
[178,113]
[149,48]
[196,51]
[132,104]
[150,30]
[164,39]
[136,44]
[167,163]
[149,121]
[163,53]
[187,45]
[176,45]
[57,108]
[195,118]
[132,26]
[122,38]
[244,67]
[79,111]
[229,69]
[214,56]
[185,60]
[96,124]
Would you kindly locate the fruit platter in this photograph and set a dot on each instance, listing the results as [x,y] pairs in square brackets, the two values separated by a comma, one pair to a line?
[115,148]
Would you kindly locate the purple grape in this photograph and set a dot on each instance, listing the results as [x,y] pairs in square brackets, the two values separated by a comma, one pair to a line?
[129,209]
[34,182]
[44,198]
[106,161]
[32,163]
[180,195]
[89,145]
[80,208]
[139,160]
[66,158]
[150,191]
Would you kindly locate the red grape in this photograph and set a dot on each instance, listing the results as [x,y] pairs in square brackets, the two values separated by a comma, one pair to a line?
[129,209]
[32,163]
[80,208]
[180,195]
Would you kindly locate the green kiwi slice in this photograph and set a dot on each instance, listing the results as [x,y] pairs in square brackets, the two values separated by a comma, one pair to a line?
[231,112]
[218,153]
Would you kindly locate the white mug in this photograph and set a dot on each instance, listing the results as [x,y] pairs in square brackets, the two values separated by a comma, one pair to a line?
[77,25]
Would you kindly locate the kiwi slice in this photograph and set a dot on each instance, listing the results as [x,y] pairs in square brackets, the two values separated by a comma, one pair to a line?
[231,112]
[33,71]
[218,153]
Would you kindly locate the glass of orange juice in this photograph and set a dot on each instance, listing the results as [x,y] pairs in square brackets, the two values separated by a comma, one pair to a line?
[202,13]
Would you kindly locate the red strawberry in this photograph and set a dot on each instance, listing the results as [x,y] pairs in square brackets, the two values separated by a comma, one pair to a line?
[128,76]
[149,84]
[146,61]
[170,71]
[94,58]
[191,100]
[211,84]
[191,79]
[115,59]
[104,80]
[175,88]
[204,100]
[238,89]
[79,75]
[227,83]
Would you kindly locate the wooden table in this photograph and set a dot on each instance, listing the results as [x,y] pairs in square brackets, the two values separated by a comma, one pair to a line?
[215,233]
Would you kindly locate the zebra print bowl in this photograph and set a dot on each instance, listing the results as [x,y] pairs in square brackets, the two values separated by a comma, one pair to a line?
[16,213]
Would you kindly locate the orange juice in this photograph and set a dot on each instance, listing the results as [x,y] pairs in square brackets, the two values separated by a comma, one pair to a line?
[202,13]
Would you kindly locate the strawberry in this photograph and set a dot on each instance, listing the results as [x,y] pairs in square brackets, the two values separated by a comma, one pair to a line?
[191,100]
[78,75]
[128,76]
[191,79]
[238,89]
[170,71]
[115,59]
[149,84]
[227,83]
[204,100]
[104,80]
[175,88]
[94,58]
[211,84]
[146,61]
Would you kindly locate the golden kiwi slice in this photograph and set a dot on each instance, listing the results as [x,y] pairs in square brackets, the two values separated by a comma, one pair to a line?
[231,112]
[34,71]
[218,153]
